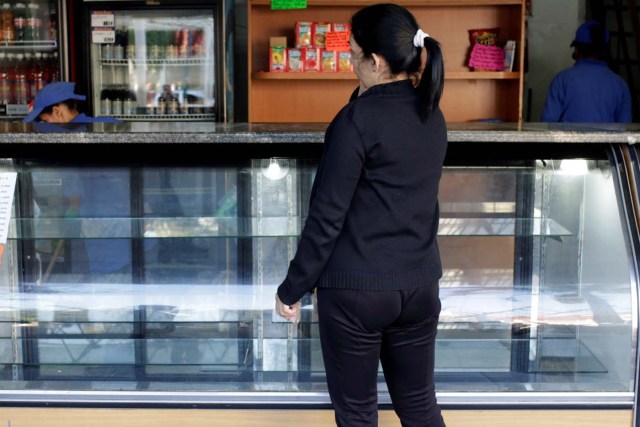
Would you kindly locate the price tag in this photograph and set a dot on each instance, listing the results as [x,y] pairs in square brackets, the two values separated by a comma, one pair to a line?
[288,4]
[338,41]
[7,187]
[103,35]
[103,19]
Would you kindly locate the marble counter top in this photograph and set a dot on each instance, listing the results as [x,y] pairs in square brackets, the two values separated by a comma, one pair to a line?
[293,133]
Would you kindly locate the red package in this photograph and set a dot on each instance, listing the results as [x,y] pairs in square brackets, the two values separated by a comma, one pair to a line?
[311,59]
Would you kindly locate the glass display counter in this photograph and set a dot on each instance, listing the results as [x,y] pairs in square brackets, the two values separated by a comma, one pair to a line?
[151,279]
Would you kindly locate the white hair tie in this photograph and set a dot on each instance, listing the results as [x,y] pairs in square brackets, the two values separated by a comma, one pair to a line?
[418,39]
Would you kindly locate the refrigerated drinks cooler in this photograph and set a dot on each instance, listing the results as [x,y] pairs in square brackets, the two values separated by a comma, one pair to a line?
[29,52]
[151,63]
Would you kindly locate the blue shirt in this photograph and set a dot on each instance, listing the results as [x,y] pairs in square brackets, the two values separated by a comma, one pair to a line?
[83,118]
[588,92]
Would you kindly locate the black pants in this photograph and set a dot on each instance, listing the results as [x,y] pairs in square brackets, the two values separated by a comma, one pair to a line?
[358,329]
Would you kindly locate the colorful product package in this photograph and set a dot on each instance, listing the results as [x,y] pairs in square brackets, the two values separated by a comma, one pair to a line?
[328,61]
[320,30]
[304,34]
[295,60]
[277,59]
[344,62]
[311,59]
[336,26]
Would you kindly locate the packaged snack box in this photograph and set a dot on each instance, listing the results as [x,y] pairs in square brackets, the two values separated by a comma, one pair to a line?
[344,62]
[311,59]
[295,60]
[340,27]
[277,59]
[328,61]
[320,29]
[304,34]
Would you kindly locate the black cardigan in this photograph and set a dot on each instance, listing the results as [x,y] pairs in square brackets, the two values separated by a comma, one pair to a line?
[373,216]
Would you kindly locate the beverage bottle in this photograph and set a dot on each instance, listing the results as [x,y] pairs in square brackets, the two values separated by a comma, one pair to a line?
[21,84]
[19,21]
[105,102]
[37,23]
[131,44]
[171,50]
[54,68]
[8,29]
[10,67]
[162,103]
[173,105]
[28,61]
[37,74]
[118,47]
[52,22]
[30,22]
[5,83]
[129,106]
[116,102]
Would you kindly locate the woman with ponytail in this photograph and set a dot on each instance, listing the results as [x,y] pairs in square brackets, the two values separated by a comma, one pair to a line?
[369,244]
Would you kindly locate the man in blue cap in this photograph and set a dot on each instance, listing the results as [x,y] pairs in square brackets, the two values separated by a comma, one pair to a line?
[89,194]
[56,103]
[588,92]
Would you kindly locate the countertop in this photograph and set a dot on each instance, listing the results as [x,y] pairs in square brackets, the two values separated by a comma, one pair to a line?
[294,133]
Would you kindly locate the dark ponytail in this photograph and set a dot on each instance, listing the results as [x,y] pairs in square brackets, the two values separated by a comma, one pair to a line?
[388,30]
[431,82]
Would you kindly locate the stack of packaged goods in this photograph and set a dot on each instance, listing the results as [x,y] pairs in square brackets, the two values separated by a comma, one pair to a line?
[319,47]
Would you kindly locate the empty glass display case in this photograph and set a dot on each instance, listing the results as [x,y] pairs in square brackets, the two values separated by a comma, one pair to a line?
[154,281]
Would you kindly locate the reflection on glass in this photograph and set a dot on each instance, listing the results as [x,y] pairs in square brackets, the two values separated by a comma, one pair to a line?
[536,291]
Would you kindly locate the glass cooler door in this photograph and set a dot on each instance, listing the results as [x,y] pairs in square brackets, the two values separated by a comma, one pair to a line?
[156,67]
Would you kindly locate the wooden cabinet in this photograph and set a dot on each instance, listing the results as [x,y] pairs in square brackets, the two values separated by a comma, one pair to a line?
[317,97]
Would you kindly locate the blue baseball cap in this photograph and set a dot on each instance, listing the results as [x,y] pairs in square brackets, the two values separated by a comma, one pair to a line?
[52,94]
[583,33]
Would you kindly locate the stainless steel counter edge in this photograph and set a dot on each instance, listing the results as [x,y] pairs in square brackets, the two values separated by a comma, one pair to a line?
[295,133]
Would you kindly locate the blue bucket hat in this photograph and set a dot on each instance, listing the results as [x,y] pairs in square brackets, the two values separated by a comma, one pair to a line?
[52,94]
[583,33]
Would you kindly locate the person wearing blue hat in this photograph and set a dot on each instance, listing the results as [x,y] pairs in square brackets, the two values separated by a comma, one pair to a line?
[56,103]
[589,91]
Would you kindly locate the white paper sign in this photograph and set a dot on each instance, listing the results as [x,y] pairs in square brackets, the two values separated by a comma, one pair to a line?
[103,19]
[103,35]
[7,187]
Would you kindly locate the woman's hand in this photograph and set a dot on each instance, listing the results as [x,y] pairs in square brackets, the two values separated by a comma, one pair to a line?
[289,312]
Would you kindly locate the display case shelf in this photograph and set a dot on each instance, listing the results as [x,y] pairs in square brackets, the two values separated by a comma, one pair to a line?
[233,227]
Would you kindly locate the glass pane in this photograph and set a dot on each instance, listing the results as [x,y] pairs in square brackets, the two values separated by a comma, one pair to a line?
[157,67]
[164,279]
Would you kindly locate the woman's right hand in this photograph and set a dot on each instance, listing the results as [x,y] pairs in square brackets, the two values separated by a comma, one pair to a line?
[289,312]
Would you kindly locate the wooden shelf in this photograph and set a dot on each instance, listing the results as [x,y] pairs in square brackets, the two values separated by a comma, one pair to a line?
[451,75]
[316,97]
[481,75]
[265,75]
